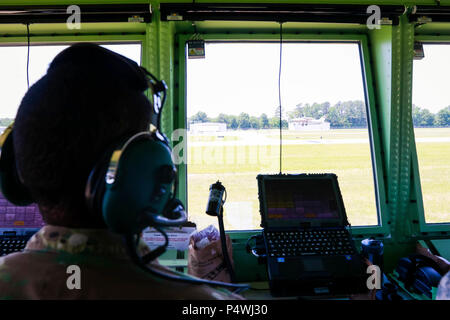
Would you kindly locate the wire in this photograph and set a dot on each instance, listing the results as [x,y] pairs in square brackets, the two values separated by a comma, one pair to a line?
[129,240]
[279,96]
[160,110]
[223,241]
[28,55]
[158,251]
[225,199]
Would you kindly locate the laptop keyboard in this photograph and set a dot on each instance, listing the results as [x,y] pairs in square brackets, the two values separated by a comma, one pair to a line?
[10,244]
[311,242]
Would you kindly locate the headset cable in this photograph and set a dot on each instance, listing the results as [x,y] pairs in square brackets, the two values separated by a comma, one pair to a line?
[132,247]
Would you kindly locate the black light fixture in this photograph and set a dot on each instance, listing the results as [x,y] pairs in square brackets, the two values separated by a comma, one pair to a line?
[275,12]
[425,14]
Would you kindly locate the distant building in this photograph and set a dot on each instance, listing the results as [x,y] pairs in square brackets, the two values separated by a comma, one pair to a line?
[309,124]
[207,127]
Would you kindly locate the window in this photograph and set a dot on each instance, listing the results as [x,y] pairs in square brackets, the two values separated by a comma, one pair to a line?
[431,119]
[13,75]
[233,120]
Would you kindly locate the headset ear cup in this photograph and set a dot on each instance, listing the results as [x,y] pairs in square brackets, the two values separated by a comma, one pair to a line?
[173,214]
[11,186]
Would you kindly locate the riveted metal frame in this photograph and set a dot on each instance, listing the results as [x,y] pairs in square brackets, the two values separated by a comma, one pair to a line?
[427,230]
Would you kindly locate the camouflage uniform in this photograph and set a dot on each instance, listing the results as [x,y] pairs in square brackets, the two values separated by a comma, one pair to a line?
[106,271]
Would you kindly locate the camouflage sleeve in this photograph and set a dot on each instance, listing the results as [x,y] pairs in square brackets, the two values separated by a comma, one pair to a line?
[444,288]
[9,287]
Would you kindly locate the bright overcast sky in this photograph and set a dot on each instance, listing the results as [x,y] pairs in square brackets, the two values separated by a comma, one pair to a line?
[431,86]
[13,75]
[243,77]
[235,78]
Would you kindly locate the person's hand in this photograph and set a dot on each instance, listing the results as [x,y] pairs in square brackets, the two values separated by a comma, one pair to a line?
[443,263]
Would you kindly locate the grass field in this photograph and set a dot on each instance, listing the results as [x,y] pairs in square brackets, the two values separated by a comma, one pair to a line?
[434,166]
[238,157]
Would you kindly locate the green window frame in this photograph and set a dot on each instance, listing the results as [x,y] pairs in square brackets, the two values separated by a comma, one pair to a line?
[58,34]
[428,230]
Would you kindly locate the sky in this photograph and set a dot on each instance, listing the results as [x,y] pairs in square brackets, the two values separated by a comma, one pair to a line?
[243,77]
[431,85]
[13,70]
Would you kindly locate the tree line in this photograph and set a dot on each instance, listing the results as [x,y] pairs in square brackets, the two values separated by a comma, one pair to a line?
[424,118]
[345,114]
[241,121]
[4,122]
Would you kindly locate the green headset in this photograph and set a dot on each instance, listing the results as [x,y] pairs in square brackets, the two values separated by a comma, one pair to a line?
[138,178]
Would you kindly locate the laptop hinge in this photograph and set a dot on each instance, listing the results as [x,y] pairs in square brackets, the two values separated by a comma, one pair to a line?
[305,225]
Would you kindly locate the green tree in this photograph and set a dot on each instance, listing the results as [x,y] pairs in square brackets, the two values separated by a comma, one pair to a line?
[355,112]
[222,118]
[276,113]
[346,114]
[264,121]
[316,110]
[427,118]
[296,113]
[4,122]
[254,122]
[199,117]
[325,107]
[244,121]
[275,123]
[422,117]
[234,124]
[337,116]
[443,117]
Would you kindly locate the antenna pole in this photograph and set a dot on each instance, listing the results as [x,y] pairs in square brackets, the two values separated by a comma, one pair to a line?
[279,96]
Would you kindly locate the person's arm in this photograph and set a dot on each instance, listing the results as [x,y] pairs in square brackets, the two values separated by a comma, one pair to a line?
[443,263]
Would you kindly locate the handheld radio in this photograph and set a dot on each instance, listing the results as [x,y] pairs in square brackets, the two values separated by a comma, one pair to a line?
[215,200]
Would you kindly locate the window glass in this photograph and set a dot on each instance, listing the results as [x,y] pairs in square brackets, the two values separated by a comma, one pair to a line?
[431,119]
[233,125]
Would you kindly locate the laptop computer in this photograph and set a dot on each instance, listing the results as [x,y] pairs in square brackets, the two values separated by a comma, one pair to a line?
[17,225]
[309,248]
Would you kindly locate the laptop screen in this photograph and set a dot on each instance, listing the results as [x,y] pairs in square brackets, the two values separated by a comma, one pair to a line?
[18,218]
[296,200]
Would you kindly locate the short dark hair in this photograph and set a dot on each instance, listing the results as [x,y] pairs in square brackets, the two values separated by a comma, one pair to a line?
[90,99]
